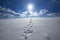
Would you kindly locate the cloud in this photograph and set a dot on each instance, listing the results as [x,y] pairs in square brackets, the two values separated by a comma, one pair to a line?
[51,14]
[42,12]
[29,14]
[8,13]
[57,14]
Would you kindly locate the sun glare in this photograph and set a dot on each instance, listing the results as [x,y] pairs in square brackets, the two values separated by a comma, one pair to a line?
[30,7]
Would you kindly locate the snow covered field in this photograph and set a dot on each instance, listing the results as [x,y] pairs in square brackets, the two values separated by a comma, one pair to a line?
[44,28]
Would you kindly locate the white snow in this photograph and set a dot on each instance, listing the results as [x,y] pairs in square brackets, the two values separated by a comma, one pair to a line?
[44,28]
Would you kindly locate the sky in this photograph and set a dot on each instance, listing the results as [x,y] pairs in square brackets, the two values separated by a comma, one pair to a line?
[16,5]
[18,8]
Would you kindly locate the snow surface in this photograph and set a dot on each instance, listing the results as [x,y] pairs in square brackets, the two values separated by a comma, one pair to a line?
[44,28]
